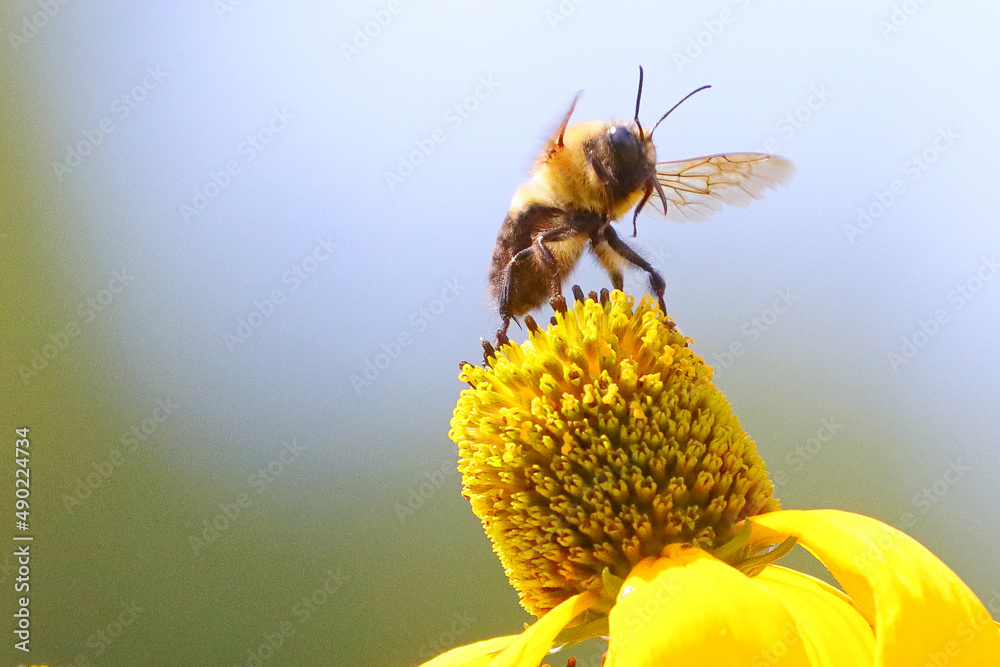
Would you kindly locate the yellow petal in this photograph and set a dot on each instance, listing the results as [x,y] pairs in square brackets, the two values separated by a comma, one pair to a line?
[923,614]
[691,609]
[526,649]
[479,654]
[833,631]
[535,643]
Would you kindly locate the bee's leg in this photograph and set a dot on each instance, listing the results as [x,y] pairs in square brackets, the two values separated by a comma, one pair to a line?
[504,305]
[656,282]
[609,259]
[549,259]
[502,331]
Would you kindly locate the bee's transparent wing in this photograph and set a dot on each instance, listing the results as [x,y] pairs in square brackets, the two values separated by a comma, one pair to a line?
[696,188]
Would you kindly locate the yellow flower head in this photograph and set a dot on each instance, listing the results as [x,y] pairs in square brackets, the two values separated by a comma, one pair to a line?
[625,501]
[599,443]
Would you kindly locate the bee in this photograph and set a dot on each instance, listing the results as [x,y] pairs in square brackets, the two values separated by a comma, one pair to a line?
[588,176]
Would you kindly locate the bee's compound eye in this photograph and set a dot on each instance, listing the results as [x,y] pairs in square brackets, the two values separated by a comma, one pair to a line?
[622,138]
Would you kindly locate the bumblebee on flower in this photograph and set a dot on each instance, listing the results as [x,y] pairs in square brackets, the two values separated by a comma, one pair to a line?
[625,501]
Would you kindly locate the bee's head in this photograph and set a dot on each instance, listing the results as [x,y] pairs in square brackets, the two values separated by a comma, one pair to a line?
[633,140]
[623,158]
[621,155]
[623,139]
[630,147]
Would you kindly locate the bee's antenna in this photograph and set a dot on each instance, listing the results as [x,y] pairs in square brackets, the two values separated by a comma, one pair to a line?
[638,98]
[671,108]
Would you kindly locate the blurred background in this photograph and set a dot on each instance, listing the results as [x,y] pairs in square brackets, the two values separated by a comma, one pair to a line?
[245,244]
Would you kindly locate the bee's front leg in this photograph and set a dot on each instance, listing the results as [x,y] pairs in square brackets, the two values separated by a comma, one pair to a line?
[656,282]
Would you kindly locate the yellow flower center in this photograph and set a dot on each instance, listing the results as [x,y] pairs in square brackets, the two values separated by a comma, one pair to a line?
[597,443]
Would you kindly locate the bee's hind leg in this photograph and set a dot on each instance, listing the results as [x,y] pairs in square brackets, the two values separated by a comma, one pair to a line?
[506,300]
